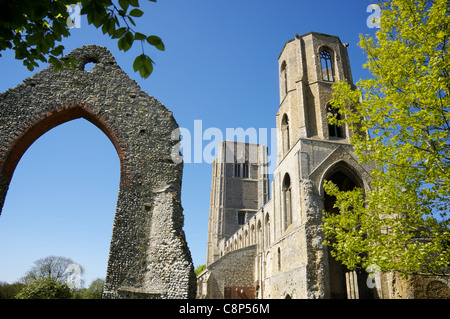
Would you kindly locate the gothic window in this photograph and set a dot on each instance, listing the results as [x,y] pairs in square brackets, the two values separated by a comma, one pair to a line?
[279,259]
[245,170]
[283,78]
[241,218]
[285,134]
[259,236]
[237,170]
[327,66]
[287,201]
[267,234]
[241,170]
[333,129]
[252,235]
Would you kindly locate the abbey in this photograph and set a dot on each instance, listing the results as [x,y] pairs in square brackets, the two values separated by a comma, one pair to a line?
[262,246]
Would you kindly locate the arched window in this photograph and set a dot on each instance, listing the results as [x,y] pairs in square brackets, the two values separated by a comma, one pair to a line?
[345,179]
[334,130]
[252,235]
[285,134]
[279,258]
[283,78]
[327,66]
[246,239]
[260,236]
[287,201]
[267,233]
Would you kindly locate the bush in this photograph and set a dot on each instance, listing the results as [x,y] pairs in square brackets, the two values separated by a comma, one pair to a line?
[45,288]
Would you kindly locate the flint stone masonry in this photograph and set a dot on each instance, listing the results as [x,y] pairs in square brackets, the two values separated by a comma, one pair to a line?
[148,257]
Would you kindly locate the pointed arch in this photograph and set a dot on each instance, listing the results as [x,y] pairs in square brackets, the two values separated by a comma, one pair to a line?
[267,232]
[283,79]
[344,173]
[287,201]
[334,130]
[285,134]
[51,118]
[326,63]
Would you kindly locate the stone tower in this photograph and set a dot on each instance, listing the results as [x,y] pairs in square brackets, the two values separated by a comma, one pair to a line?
[239,188]
[308,67]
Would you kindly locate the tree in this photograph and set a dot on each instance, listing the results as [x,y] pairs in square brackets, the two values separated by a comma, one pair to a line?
[53,267]
[9,291]
[401,125]
[199,269]
[45,288]
[33,29]
[94,291]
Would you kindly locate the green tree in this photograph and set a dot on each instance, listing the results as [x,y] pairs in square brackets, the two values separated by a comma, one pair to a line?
[33,29]
[94,291]
[45,288]
[199,269]
[401,125]
[55,267]
[9,291]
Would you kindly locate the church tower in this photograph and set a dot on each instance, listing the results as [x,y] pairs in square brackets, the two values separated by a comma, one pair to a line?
[308,67]
[239,188]
[310,151]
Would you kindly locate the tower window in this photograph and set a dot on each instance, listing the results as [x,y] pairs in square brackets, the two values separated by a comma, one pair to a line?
[245,170]
[283,78]
[287,201]
[237,170]
[241,218]
[327,66]
[241,170]
[285,134]
[333,129]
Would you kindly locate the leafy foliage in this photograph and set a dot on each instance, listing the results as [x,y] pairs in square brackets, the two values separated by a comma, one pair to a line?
[401,125]
[94,291]
[45,288]
[9,291]
[199,269]
[33,29]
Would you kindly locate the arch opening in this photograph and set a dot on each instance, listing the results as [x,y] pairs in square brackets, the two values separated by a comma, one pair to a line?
[63,195]
[46,123]
[340,278]
[285,134]
[287,201]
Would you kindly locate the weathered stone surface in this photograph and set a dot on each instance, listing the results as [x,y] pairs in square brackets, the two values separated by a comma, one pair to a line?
[149,257]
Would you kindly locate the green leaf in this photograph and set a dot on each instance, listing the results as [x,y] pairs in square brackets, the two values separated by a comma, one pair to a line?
[119,33]
[136,13]
[124,5]
[30,67]
[147,68]
[144,65]
[156,42]
[131,21]
[126,41]
[139,36]
[134,3]
[109,26]
[58,50]
[138,62]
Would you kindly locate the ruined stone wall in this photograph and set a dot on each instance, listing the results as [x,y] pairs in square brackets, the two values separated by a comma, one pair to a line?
[149,257]
[234,269]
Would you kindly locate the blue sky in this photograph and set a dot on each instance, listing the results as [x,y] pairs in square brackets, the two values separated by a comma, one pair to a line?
[220,67]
